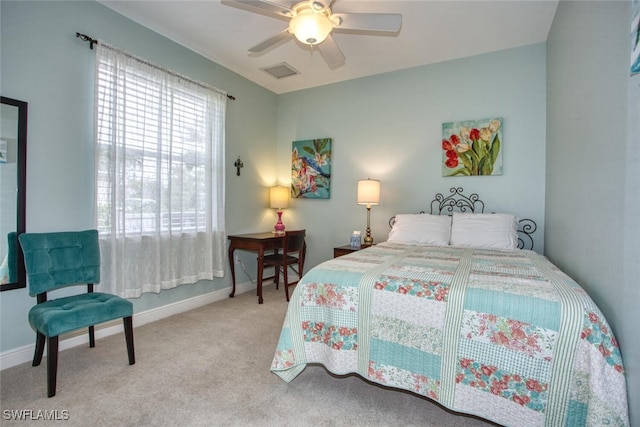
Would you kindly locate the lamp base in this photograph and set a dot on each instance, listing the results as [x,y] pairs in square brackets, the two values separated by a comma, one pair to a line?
[279,227]
[368,240]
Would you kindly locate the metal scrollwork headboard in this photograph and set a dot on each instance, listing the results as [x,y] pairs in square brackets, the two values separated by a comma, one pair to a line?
[458,202]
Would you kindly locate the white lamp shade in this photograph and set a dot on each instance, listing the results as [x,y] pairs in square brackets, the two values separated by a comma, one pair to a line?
[310,27]
[369,192]
[279,197]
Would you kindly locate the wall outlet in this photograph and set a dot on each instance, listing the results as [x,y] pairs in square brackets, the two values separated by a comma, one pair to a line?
[237,259]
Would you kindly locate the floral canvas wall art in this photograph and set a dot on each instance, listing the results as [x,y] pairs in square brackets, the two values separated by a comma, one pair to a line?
[472,147]
[311,169]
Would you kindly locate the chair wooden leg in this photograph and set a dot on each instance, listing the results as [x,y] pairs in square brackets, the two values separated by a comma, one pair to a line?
[52,365]
[37,356]
[92,336]
[128,334]
[276,276]
[286,281]
[300,271]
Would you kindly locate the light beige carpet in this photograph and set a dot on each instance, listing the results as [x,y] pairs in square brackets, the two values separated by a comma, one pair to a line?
[207,367]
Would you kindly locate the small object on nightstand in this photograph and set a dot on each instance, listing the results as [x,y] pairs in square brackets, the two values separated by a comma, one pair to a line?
[356,240]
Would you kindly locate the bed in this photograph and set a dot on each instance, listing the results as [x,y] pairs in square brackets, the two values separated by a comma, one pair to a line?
[451,309]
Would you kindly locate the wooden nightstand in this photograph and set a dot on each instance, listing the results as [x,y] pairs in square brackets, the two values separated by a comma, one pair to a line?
[344,250]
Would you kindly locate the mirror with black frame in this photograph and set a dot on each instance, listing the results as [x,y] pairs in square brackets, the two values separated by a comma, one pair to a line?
[13,173]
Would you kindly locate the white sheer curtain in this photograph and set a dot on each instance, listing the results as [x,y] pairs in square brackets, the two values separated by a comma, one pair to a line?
[159,147]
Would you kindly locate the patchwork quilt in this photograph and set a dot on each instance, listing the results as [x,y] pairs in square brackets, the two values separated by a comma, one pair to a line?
[504,335]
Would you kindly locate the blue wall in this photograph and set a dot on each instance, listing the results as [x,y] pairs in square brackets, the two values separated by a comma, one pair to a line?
[44,64]
[389,127]
[386,127]
[593,179]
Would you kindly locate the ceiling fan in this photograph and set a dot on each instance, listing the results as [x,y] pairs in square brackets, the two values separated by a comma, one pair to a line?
[312,21]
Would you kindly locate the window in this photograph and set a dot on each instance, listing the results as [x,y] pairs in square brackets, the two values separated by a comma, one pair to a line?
[159,175]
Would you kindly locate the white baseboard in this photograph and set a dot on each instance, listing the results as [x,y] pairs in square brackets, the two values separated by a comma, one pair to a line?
[24,354]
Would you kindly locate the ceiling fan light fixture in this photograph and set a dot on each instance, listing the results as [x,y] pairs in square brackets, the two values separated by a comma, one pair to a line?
[310,27]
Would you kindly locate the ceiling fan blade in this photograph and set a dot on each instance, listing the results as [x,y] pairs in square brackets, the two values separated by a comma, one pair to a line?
[377,22]
[270,7]
[272,41]
[319,4]
[331,53]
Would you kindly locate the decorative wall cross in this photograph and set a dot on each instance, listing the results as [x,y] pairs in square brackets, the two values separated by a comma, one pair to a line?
[238,164]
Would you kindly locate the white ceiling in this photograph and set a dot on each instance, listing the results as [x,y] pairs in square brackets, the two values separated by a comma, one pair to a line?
[432,31]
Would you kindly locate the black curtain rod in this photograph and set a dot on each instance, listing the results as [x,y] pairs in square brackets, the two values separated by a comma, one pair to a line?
[86,38]
[92,41]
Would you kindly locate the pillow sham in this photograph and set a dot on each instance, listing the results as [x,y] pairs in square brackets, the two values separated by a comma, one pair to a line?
[490,231]
[421,229]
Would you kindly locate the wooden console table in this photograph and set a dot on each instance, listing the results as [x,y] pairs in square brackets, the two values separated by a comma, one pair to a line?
[256,242]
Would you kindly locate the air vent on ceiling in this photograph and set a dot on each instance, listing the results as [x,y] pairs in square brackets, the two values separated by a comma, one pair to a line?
[281,70]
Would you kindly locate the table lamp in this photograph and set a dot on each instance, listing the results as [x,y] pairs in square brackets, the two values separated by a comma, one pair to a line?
[368,195]
[279,199]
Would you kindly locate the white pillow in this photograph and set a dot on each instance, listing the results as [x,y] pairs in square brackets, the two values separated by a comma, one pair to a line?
[421,229]
[492,231]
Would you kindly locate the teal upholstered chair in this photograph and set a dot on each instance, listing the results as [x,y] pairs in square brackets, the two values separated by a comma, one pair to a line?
[57,260]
